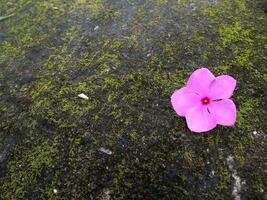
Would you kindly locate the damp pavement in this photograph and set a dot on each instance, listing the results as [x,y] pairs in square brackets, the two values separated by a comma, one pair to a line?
[85,92]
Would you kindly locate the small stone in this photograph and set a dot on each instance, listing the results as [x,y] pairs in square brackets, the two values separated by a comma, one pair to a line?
[193,5]
[106,151]
[83,96]
[255,132]
[106,195]
[148,55]
[55,8]
[55,191]
[96,28]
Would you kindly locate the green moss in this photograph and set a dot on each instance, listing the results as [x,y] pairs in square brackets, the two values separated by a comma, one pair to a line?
[51,104]
[233,35]
[188,156]
[239,41]
[243,58]
[9,51]
[247,108]
[26,170]
[221,70]
[227,9]
[97,9]
[161,2]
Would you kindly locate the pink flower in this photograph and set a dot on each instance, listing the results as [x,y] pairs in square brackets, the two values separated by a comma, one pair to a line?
[204,101]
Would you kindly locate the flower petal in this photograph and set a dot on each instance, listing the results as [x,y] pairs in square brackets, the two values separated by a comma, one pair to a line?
[222,87]
[200,80]
[224,111]
[184,99]
[199,120]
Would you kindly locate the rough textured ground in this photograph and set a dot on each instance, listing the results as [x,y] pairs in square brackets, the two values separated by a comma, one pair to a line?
[128,56]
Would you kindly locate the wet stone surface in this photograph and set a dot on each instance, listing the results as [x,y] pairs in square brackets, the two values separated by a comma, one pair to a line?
[124,141]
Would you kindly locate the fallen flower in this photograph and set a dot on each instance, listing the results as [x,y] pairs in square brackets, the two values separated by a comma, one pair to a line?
[204,101]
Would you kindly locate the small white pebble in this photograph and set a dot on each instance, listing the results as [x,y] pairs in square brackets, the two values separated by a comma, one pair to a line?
[212,172]
[106,151]
[106,195]
[96,28]
[55,191]
[169,35]
[255,132]
[148,55]
[83,96]
[55,8]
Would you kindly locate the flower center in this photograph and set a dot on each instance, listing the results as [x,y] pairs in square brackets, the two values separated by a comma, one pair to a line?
[205,100]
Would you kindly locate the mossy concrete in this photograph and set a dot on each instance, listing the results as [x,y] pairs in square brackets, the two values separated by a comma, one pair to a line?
[125,141]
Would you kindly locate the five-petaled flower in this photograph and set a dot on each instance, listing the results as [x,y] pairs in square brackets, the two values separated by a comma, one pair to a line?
[204,101]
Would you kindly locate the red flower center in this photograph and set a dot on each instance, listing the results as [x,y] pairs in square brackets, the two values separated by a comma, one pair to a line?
[205,100]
